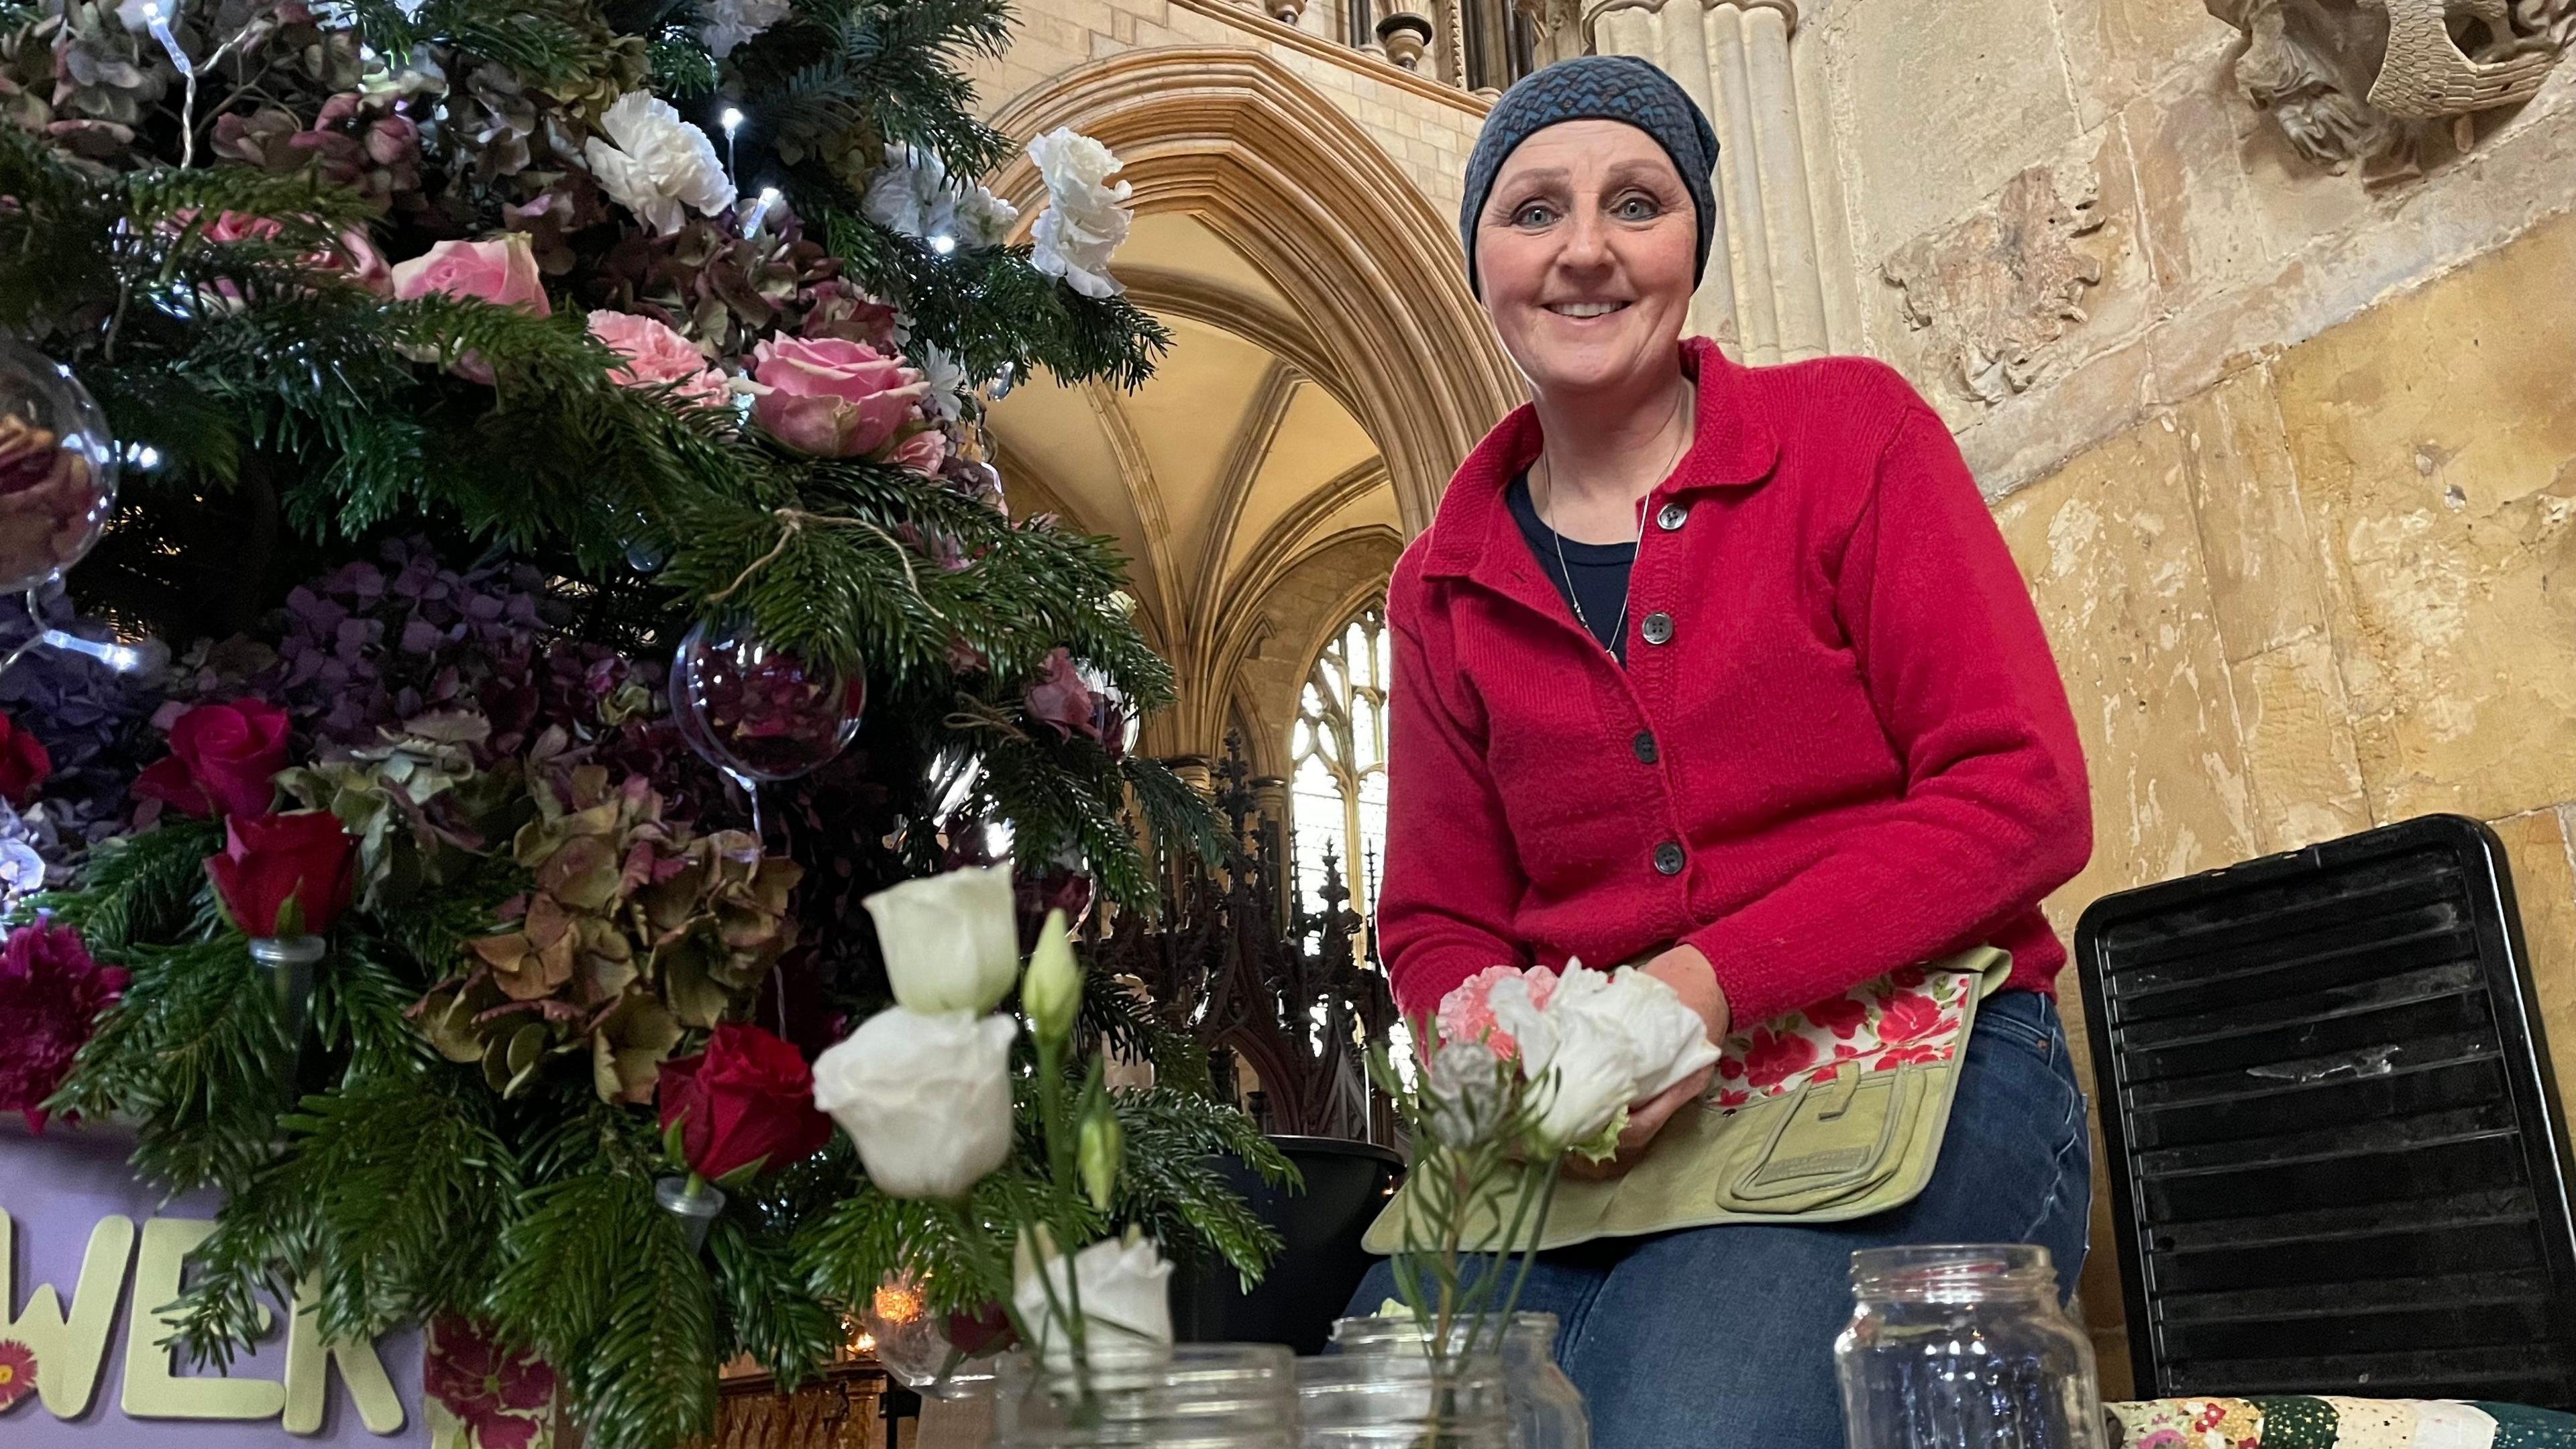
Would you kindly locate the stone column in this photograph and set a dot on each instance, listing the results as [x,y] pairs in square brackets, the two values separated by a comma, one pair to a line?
[1194,772]
[1766,303]
[1270,802]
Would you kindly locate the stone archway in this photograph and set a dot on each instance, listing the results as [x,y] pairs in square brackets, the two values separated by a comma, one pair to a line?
[1256,154]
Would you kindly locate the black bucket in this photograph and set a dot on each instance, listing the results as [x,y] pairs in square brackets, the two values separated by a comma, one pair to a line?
[1311,1281]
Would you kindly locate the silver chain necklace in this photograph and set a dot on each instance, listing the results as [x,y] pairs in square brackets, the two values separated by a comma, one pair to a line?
[1635,547]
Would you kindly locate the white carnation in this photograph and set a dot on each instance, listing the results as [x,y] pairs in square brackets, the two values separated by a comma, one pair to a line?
[724,24]
[914,195]
[653,163]
[947,382]
[1086,217]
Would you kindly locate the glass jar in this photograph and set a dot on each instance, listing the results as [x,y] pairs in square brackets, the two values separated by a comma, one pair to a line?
[1543,1407]
[1958,1346]
[1196,1396]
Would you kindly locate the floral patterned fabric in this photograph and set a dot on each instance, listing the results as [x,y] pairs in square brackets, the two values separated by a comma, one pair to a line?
[2335,1423]
[1909,1015]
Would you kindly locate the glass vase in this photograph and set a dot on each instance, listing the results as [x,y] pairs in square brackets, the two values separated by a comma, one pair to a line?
[1964,1345]
[1546,1409]
[1384,1391]
[1193,1396]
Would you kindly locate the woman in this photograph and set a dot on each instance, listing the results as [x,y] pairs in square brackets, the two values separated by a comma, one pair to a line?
[1726,670]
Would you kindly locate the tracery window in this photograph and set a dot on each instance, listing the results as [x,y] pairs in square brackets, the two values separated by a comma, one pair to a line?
[1337,762]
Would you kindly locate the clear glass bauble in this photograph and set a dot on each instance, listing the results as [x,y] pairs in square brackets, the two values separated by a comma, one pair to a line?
[57,469]
[1192,1396]
[1964,1344]
[758,712]
[1543,1408]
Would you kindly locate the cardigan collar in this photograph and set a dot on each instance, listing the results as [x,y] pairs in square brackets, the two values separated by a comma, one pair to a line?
[1731,447]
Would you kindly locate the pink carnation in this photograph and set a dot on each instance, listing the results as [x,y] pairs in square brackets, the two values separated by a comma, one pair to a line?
[654,355]
[1467,1012]
[502,272]
[830,397]
[50,994]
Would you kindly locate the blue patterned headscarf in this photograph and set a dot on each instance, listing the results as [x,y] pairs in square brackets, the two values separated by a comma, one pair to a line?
[1595,88]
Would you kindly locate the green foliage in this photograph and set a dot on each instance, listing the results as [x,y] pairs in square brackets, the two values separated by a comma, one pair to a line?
[768,1310]
[137,887]
[1169,1190]
[197,1052]
[600,1281]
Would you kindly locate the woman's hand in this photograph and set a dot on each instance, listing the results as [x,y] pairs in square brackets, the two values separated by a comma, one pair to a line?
[1690,976]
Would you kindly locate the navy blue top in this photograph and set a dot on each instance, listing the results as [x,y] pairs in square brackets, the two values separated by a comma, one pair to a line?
[1596,574]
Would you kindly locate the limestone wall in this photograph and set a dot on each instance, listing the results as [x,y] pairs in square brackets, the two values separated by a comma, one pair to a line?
[2064,215]
[1426,127]
[2332,590]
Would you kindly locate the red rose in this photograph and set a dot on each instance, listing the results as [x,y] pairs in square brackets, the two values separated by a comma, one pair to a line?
[223,760]
[976,1334]
[747,1098]
[23,763]
[1768,1059]
[303,859]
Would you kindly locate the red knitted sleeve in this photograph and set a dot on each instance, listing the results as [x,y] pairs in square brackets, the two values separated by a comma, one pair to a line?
[1995,813]
[1444,910]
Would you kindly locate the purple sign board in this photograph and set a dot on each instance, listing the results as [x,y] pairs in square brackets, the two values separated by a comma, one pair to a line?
[86,1256]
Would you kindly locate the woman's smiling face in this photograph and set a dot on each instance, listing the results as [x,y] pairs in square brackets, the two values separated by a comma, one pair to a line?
[1584,254]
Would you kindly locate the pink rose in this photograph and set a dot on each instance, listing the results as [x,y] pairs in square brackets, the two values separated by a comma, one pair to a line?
[922,452]
[1467,1012]
[502,272]
[832,398]
[654,354]
[353,256]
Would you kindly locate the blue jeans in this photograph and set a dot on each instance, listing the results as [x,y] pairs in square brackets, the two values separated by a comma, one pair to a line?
[1722,1338]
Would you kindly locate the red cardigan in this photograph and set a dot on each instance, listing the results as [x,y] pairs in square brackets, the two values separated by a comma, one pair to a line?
[1840,744]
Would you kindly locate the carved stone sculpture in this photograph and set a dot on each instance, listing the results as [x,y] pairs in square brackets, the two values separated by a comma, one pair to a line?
[1998,288]
[2370,81]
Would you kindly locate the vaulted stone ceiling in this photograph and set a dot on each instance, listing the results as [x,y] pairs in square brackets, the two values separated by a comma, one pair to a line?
[1219,474]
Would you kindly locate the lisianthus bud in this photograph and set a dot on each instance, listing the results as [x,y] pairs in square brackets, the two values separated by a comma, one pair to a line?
[1098,1157]
[1051,993]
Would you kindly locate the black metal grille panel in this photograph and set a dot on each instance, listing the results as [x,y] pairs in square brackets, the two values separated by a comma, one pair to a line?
[2336,1159]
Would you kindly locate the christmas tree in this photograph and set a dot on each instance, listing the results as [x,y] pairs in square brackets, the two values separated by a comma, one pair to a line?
[536,575]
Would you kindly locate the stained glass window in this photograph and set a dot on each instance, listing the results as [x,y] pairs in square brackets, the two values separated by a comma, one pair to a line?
[1337,753]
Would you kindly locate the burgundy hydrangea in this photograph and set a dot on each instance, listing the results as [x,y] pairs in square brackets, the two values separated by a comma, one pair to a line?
[51,992]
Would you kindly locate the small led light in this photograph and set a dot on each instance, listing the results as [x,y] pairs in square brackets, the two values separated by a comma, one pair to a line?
[943,244]
[760,209]
[731,120]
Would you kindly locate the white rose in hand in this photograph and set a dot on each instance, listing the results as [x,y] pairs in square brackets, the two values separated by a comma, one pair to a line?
[926,1097]
[1126,1300]
[1582,1068]
[1601,1043]
[951,942]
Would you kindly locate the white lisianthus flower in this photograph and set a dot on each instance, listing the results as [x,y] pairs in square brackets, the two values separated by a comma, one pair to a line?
[653,163]
[1600,1043]
[1086,217]
[724,24]
[1126,1300]
[925,1097]
[951,942]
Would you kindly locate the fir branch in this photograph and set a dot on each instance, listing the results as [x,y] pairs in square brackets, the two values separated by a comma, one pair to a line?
[601,1283]
[868,1238]
[144,886]
[197,1052]
[359,1008]
[768,1311]
[1168,1187]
